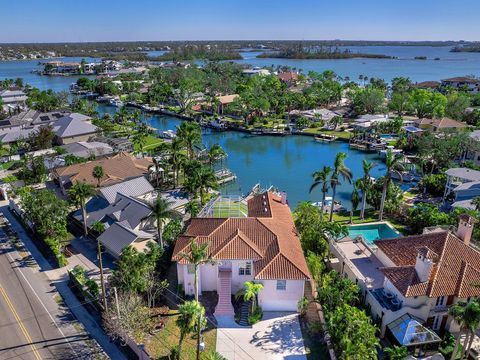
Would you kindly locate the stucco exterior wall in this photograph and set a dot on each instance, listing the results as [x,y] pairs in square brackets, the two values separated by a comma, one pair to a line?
[271,299]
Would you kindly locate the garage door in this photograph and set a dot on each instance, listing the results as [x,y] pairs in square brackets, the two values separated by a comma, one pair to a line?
[279,305]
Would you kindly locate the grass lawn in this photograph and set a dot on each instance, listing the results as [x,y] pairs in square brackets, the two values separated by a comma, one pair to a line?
[7,165]
[340,134]
[150,142]
[159,346]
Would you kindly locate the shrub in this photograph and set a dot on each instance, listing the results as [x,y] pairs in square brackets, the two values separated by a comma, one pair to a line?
[256,316]
[92,287]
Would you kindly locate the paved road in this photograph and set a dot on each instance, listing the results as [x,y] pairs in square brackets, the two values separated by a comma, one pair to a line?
[33,322]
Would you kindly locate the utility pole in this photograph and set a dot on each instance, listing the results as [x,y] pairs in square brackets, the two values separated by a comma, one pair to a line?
[199,334]
[116,301]
[104,295]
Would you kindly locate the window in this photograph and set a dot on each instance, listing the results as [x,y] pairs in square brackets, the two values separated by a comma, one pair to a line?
[191,269]
[440,301]
[436,323]
[282,285]
[245,268]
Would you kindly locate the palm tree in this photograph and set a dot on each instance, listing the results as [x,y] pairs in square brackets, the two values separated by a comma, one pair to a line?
[177,158]
[393,165]
[187,321]
[321,178]
[157,167]
[249,293]
[79,193]
[98,174]
[364,184]
[193,208]
[339,169]
[190,134]
[215,153]
[206,180]
[476,202]
[467,315]
[160,211]
[197,256]
[355,199]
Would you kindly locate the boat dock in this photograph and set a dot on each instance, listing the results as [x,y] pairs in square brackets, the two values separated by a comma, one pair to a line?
[225,176]
[325,138]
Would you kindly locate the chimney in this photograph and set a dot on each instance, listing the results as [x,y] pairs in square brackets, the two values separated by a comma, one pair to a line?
[424,263]
[284,197]
[465,228]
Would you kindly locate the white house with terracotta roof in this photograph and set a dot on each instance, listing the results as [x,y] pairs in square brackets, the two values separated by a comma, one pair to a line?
[420,275]
[262,247]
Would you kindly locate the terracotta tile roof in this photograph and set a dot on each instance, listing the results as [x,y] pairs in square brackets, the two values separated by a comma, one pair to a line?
[444,123]
[456,269]
[266,237]
[116,168]
[287,76]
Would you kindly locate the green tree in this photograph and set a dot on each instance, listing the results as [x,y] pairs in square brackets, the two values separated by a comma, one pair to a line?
[368,100]
[393,164]
[249,292]
[467,315]
[396,352]
[365,183]
[215,153]
[161,211]
[177,158]
[189,314]
[193,208]
[190,134]
[476,203]
[98,174]
[355,199]
[339,170]
[79,193]
[320,178]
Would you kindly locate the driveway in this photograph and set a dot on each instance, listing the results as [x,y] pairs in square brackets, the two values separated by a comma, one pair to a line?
[277,336]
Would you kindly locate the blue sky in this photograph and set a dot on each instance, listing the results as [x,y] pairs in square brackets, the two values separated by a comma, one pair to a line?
[116,20]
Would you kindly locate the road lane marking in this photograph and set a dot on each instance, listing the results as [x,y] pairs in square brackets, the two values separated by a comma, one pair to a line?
[20,324]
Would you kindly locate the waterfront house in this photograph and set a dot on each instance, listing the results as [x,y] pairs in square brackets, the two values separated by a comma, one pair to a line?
[420,275]
[473,154]
[13,99]
[439,124]
[261,247]
[117,168]
[256,71]
[367,121]
[463,184]
[61,68]
[314,114]
[73,128]
[429,85]
[289,78]
[224,101]
[85,149]
[463,83]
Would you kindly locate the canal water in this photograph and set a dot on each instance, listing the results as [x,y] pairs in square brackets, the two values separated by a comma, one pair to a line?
[287,162]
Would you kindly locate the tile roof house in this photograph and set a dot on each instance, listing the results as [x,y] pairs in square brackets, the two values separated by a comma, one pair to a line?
[73,128]
[262,247]
[13,99]
[117,168]
[463,184]
[289,78]
[439,124]
[463,82]
[421,275]
[86,149]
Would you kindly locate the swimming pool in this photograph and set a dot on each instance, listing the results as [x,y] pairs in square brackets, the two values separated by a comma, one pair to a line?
[372,232]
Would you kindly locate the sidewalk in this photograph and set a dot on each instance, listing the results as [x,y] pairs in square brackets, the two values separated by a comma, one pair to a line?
[59,278]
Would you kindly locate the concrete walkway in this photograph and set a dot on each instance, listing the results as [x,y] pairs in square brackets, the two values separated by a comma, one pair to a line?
[59,278]
[277,336]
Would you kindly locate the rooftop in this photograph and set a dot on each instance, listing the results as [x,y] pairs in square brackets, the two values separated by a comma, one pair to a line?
[266,236]
[464,173]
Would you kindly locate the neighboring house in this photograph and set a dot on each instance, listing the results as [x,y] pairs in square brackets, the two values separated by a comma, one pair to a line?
[462,82]
[125,219]
[418,277]
[137,187]
[290,78]
[13,99]
[263,247]
[118,144]
[85,149]
[29,118]
[463,182]
[60,67]
[314,114]
[224,101]
[73,128]
[117,168]
[429,85]
[367,121]
[256,71]
[439,124]
[474,155]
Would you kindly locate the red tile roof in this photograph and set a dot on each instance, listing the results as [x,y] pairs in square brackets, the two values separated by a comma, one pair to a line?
[267,237]
[456,265]
[288,76]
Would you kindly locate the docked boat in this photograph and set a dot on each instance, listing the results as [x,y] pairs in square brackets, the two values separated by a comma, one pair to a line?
[337,206]
[325,138]
[256,132]
[217,125]
[168,134]
[225,176]
[116,102]
[395,152]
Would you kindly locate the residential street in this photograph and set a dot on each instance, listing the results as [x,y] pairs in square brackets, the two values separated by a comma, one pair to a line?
[33,325]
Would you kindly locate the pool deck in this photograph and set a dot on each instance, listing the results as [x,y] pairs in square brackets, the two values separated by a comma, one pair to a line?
[360,260]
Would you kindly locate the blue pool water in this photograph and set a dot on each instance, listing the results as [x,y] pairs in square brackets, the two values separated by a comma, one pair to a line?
[372,232]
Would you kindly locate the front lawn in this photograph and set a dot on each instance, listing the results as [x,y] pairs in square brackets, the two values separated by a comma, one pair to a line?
[160,345]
